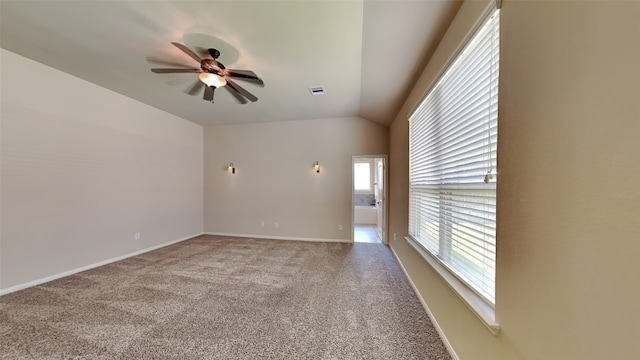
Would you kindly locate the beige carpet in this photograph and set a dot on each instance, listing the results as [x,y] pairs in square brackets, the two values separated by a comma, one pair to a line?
[216,297]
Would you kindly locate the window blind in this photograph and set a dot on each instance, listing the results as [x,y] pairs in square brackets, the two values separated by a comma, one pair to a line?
[452,164]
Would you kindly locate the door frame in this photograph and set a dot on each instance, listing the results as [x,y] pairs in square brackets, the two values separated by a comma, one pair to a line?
[385,192]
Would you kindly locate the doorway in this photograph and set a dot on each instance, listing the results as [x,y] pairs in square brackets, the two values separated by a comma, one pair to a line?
[369,193]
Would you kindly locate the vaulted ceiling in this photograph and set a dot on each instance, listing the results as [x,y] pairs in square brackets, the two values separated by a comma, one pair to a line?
[366,54]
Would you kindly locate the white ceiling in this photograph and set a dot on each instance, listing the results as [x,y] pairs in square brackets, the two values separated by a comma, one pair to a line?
[365,53]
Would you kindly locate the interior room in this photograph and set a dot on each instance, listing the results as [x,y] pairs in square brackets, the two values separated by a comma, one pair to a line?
[104,160]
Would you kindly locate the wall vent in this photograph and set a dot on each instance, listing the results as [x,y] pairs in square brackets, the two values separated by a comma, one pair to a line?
[317,90]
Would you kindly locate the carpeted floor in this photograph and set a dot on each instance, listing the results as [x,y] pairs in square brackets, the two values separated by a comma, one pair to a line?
[216,297]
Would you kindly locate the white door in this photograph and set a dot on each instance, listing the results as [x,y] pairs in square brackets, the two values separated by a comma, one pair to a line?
[379,193]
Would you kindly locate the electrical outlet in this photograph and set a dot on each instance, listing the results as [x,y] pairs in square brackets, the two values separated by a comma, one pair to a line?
[276,225]
[395,237]
[340,227]
[136,236]
[261,223]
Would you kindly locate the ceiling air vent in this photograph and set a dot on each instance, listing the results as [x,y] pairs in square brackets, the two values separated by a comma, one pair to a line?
[317,90]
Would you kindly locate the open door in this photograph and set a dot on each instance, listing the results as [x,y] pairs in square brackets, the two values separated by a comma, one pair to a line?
[380,198]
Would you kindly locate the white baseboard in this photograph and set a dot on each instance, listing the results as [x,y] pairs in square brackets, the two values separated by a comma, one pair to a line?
[91,266]
[446,342]
[275,237]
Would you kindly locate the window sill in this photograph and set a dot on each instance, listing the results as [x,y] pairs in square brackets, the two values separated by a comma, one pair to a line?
[485,312]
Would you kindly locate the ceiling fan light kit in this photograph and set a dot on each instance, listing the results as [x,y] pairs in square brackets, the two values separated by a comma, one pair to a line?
[214,75]
[212,80]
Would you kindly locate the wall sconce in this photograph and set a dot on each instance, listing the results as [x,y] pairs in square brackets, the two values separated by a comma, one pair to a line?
[316,167]
[231,169]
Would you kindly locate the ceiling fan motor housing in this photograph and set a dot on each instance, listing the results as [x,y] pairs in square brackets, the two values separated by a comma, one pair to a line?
[211,66]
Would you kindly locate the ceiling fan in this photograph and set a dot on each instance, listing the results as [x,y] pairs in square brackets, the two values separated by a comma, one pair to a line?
[213,75]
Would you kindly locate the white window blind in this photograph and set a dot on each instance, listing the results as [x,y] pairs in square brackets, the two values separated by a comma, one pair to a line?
[452,164]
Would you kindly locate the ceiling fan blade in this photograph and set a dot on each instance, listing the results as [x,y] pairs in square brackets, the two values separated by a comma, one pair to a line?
[241,90]
[209,91]
[187,51]
[246,75]
[168,63]
[258,82]
[242,73]
[171,71]
[236,95]
[195,87]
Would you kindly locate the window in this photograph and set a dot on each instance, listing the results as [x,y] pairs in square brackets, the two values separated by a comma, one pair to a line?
[452,164]
[362,176]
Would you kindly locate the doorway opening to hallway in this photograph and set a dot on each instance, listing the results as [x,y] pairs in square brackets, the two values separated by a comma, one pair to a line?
[368,198]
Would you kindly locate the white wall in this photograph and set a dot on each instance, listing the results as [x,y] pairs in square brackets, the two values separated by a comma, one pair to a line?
[83,169]
[568,196]
[275,180]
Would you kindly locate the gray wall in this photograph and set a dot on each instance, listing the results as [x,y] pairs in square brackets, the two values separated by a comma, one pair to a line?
[275,180]
[84,169]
